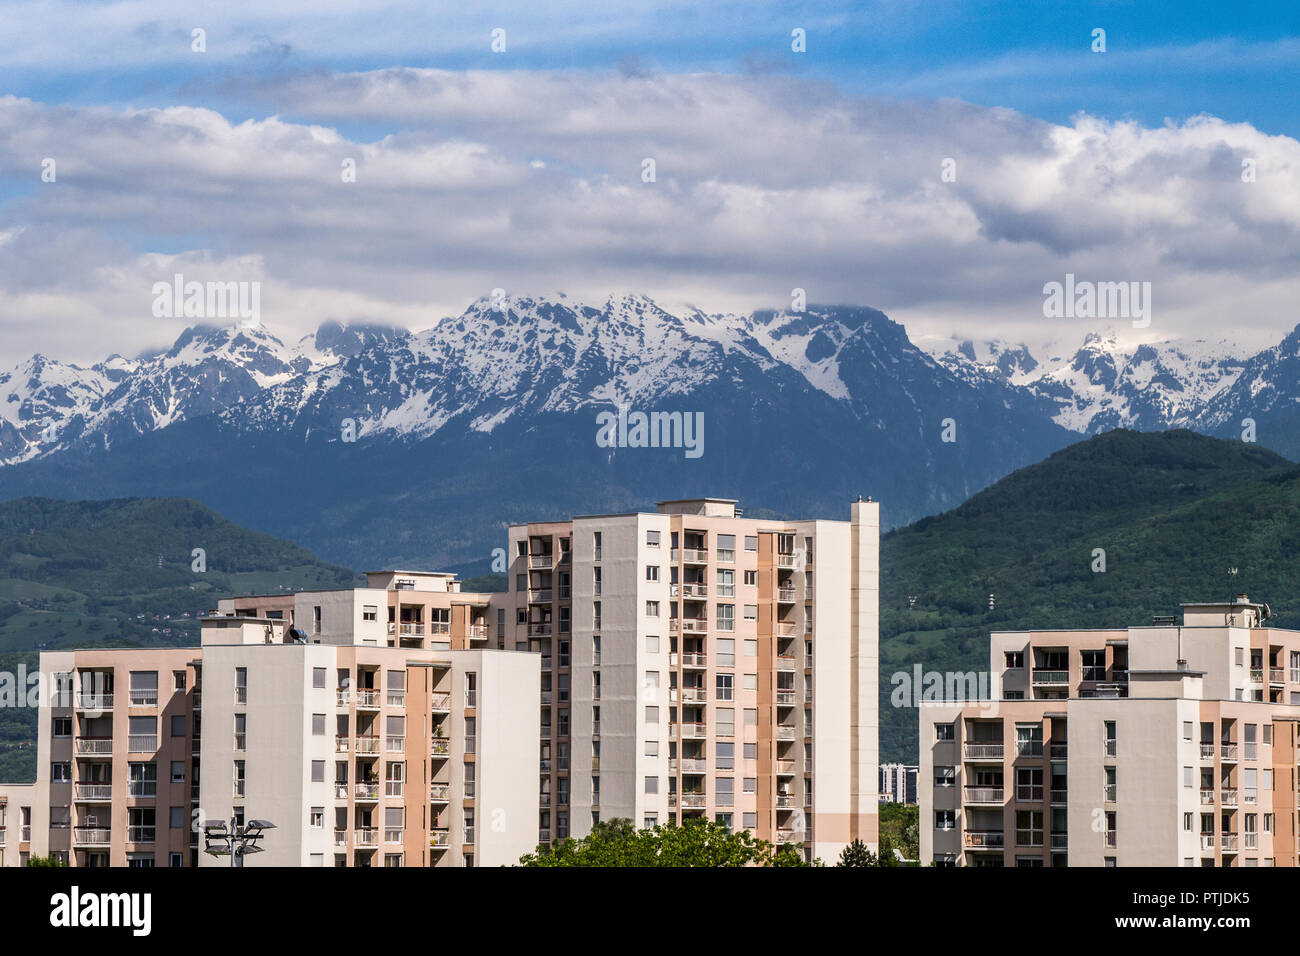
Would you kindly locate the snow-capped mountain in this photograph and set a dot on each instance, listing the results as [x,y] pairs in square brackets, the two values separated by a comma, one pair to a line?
[803,412]
[1103,384]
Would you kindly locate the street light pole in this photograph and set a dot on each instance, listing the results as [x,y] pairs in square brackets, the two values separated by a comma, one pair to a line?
[234,839]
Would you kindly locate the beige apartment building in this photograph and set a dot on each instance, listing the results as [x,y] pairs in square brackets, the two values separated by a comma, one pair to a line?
[1173,744]
[697,662]
[370,725]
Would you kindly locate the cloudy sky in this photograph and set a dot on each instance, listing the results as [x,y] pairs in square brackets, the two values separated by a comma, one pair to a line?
[523,169]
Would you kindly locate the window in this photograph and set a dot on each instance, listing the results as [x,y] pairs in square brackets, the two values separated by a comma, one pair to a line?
[749,820]
[176,818]
[726,755]
[240,780]
[651,784]
[751,579]
[652,572]
[178,725]
[750,784]
[724,791]
[62,727]
[944,732]
[317,724]
[652,644]
[725,687]
[725,722]
[1187,777]
[369,612]
[650,821]
[1188,821]
[1015,660]
[317,771]
[751,542]
[1187,730]
[1029,828]
[315,619]
[726,547]
[945,819]
[178,681]
[945,776]
[726,582]
[61,773]
[751,751]
[1111,747]
[178,771]
[241,685]
[1094,665]
[652,539]
[751,682]
[726,651]
[318,678]
[652,748]
[651,608]
[1029,783]
[652,715]
[241,731]
[726,617]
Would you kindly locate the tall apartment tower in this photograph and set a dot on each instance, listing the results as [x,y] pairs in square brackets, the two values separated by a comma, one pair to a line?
[1173,744]
[696,662]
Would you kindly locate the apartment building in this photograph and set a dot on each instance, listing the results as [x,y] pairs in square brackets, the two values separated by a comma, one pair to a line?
[16,801]
[1172,744]
[370,725]
[697,662]
[898,783]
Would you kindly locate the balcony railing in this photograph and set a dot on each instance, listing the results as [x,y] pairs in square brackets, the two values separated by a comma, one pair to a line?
[144,698]
[692,731]
[786,662]
[1207,841]
[1059,751]
[1257,674]
[1044,676]
[1207,797]
[1207,751]
[694,624]
[1229,797]
[984,751]
[1060,841]
[368,745]
[786,595]
[142,743]
[367,791]
[783,732]
[91,836]
[694,765]
[95,745]
[478,632]
[94,702]
[690,589]
[539,629]
[1229,751]
[367,836]
[1276,675]
[786,766]
[984,839]
[695,660]
[396,698]
[440,702]
[93,792]
[690,555]
[787,560]
[1060,796]
[541,560]
[694,695]
[396,743]
[439,792]
[141,834]
[785,698]
[440,747]
[368,698]
[1229,842]
[439,839]
[983,794]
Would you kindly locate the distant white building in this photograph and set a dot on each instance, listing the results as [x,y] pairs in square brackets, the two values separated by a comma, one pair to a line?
[898,783]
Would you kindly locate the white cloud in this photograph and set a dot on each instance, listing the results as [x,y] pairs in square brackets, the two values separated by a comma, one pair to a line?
[533,182]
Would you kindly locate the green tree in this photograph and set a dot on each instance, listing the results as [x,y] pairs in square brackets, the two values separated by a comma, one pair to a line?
[857,854]
[45,861]
[698,842]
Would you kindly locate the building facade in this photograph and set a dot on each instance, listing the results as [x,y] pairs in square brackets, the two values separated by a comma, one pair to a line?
[898,783]
[1166,745]
[696,662]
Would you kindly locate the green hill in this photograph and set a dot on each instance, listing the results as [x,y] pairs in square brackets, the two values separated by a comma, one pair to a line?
[120,573]
[1173,512]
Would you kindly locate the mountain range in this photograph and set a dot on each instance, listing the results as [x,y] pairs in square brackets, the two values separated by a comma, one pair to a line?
[375,446]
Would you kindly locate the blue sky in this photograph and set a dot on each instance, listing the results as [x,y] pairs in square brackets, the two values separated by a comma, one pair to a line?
[522,170]
[1237,61]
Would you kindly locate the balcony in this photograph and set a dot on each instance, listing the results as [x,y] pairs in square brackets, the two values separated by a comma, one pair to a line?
[693,625]
[93,793]
[367,698]
[1060,841]
[983,795]
[786,595]
[92,746]
[693,800]
[1228,797]
[478,632]
[1228,752]
[690,555]
[1276,675]
[343,697]
[439,793]
[367,746]
[694,695]
[1207,798]
[439,839]
[367,836]
[1059,751]
[1257,675]
[695,661]
[786,768]
[141,834]
[984,839]
[440,747]
[695,590]
[1229,842]
[94,702]
[694,765]
[787,560]
[1050,678]
[692,731]
[91,836]
[786,698]
[784,732]
[785,801]
[440,702]
[1207,841]
[539,629]
[984,752]
[342,743]
[367,791]
[1059,797]
[787,662]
